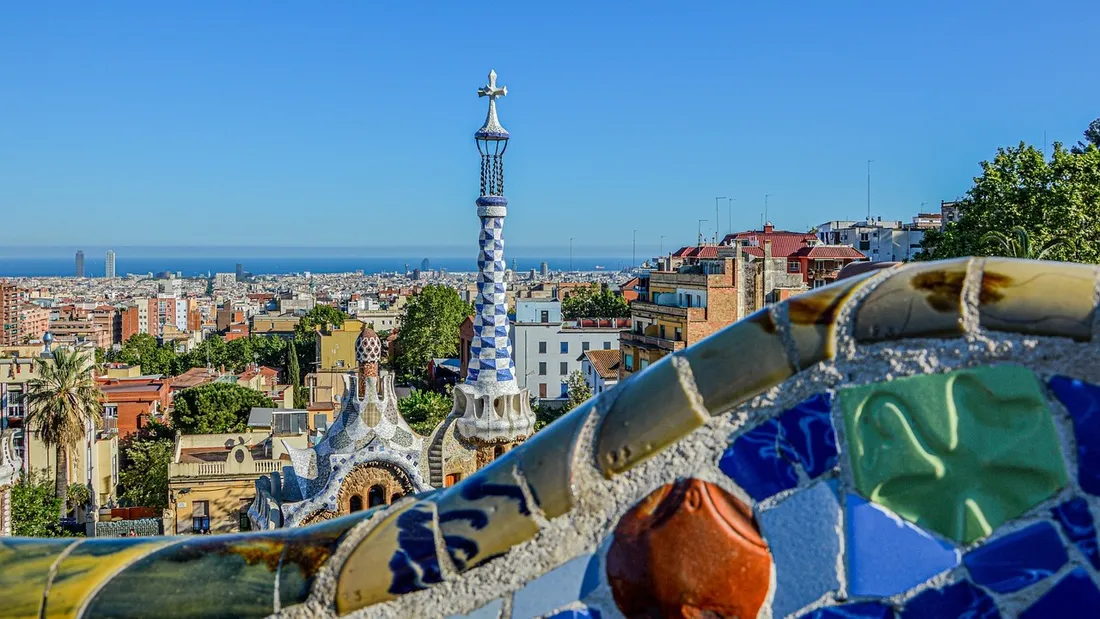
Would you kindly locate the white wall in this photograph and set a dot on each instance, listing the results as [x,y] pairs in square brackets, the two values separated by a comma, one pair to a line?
[525,350]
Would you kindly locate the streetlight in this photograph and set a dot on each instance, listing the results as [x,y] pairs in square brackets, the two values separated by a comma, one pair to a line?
[869,161]
[717,217]
[729,212]
[571,254]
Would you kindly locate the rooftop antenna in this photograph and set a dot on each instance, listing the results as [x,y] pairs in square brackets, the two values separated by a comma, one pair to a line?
[765,211]
[701,221]
[717,217]
[869,161]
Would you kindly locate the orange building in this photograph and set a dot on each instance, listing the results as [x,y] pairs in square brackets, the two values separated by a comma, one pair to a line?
[130,403]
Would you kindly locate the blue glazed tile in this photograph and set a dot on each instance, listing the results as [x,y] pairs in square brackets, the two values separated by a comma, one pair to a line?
[861,610]
[887,555]
[577,613]
[763,460]
[1082,400]
[489,611]
[801,532]
[591,580]
[1074,596]
[961,599]
[1017,560]
[559,587]
[1078,525]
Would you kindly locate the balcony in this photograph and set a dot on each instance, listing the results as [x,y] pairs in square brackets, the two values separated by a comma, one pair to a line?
[690,313]
[652,341]
[676,279]
[217,469]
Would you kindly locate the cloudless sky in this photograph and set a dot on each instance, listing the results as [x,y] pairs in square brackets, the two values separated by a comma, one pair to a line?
[350,123]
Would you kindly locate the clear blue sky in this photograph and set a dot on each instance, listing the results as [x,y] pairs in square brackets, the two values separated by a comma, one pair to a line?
[350,123]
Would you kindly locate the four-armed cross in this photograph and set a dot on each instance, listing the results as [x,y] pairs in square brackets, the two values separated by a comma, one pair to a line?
[491,90]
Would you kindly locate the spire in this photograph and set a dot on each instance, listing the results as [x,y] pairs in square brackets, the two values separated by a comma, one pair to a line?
[492,128]
[368,352]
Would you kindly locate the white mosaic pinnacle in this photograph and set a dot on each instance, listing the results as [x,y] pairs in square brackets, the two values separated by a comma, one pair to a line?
[492,124]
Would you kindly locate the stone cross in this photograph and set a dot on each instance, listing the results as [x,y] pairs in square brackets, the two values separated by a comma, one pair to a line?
[491,90]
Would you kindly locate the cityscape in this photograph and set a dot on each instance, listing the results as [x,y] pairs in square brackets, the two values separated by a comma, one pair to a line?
[809,397]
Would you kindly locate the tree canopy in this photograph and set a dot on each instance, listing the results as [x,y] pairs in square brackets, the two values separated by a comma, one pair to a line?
[594,302]
[429,328]
[1051,199]
[34,509]
[143,478]
[319,316]
[424,410]
[216,408]
[142,349]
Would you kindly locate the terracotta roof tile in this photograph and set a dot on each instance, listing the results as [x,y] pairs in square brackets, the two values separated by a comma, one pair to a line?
[605,362]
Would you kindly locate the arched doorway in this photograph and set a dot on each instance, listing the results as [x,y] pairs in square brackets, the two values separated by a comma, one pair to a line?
[376,496]
[356,503]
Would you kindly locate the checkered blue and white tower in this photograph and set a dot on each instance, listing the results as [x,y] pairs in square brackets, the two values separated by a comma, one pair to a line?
[497,410]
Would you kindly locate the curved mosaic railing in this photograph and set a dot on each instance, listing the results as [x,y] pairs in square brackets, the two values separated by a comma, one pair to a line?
[914,442]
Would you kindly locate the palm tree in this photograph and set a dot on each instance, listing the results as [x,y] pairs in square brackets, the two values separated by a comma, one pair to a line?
[1018,245]
[61,403]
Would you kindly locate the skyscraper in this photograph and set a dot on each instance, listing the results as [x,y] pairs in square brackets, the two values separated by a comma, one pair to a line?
[80,263]
[109,272]
[240,272]
[544,269]
[426,265]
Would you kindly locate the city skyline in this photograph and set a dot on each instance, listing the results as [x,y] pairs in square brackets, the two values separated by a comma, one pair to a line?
[203,120]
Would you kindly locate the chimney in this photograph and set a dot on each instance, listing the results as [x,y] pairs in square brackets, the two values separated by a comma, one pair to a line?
[767,249]
[769,228]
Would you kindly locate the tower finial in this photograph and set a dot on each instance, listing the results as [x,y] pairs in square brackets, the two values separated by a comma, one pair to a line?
[492,128]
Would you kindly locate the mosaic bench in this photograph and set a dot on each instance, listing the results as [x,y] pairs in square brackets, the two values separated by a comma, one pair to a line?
[921,441]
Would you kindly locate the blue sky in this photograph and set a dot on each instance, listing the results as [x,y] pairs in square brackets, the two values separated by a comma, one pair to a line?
[350,123]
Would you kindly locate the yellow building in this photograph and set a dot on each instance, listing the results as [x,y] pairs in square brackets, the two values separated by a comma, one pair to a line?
[121,370]
[336,347]
[282,326]
[212,478]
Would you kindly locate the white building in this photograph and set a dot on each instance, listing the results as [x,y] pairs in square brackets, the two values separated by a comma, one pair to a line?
[878,239]
[547,349]
[600,369]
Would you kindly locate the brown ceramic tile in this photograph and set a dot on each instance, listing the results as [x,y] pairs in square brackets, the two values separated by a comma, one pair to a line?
[307,550]
[398,556]
[1038,298]
[918,300]
[485,515]
[812,319]
[652,411]
[739,362]
[547,461]
[689,549]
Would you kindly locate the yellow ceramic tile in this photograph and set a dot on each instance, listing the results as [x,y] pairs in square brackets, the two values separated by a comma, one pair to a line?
[812,319]
[1038,298]
[918,300]
[653,410]
[89,565]
[307,551]
[398,556]
[24,569]
[739,362]
[485,515]
[547,461]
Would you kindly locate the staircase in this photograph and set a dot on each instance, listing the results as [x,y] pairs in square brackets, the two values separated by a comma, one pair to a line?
[435,459]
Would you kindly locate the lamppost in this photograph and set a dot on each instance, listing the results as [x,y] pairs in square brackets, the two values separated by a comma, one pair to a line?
[729,213]
[717,217]
[571,254]
[869,162]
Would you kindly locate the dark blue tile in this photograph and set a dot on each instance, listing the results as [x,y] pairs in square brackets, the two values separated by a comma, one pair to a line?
[961,599]
[861,610]
[1074,596]
[762,461]
[591,580]
[1017,560]
[1078,525]
[577,613]
[1082,400]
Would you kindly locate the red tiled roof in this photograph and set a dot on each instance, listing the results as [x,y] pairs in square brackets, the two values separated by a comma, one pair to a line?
[691,251]
[784,242]
[829,251]
[605,362]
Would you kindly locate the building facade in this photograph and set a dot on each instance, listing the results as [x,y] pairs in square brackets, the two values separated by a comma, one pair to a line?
[109,270]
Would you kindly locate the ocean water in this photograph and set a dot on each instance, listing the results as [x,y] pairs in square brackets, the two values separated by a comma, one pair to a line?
[195,265]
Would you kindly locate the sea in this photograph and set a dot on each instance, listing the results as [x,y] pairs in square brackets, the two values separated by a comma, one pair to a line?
[13,265]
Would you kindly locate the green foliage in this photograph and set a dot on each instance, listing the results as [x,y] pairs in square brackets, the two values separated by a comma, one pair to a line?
[144,475]
[294,377]
[319,316]
[594,302]
[429,328]
[79,496]
[35,508]
[142,349]
[216,408]
[61,403]
[579,391]
[1020,188]
[1018,245]
[424,410]
[1092,136]
[546,413]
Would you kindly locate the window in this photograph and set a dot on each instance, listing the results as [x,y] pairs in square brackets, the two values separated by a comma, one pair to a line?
[320,421]
[679,334]
[864,245]
[355,504]
[628,361]
[200,516]
[688,301]
[376,496]
[542,348]
[564,368]
[243,522]
[452,479]
[565,348]
[638,327]
[607,345]
[663,332]
[585,346]
[544,316]
[542,368]
[542,390]
[793,267]
[498,451]
[863,236]
[564,389]
[643,364]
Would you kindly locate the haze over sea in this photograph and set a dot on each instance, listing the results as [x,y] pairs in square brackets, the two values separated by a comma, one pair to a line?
[198,261]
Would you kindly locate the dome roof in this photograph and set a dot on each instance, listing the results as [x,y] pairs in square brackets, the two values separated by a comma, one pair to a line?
[368,348]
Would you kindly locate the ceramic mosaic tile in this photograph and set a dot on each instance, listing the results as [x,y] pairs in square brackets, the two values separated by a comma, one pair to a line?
[1082,400]
[802,535]
[488,611]
[766,460]
[557,588]
[1075,595]
[935,449]
[859,610]
[961,599]
[576,613]
[1078,525]
[1017,560]
[887,555]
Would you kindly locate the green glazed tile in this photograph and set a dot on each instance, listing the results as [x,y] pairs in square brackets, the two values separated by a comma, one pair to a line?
[652,411]
[547,461]
[917,300]
[307,550]
[725,376]
[1039,298]
[959,453]
[24,569]
[812,317]
[89,565]
[224,576]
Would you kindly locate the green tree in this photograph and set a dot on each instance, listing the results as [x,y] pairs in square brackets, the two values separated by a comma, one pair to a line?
[1018,244]
[79,496]
[579,391]
[429,328]
[142,349]
[294,377]
[320,316]
[216,408]
[546,413]
[593,302]
[144,476]
[424,410]
[1020,187]
[34,508]
[1092,136]
[61,403]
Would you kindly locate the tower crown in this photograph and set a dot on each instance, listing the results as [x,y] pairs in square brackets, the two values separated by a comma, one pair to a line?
[492,141]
